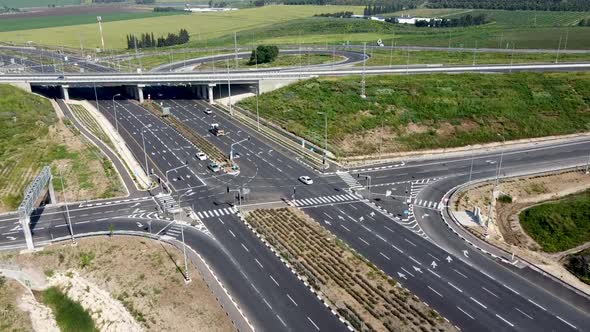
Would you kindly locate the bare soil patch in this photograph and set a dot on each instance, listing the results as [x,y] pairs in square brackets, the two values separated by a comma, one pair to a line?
[12,318]
[357,289]
[141,274]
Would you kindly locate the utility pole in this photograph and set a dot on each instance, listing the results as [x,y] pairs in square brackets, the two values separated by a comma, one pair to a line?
[236,49]
[363,94]
[99,19]
[187,279]
[115,109]
[69,220]
[229,88]
[558,47]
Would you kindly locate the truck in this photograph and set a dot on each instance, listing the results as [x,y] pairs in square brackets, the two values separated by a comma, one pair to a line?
[215,130]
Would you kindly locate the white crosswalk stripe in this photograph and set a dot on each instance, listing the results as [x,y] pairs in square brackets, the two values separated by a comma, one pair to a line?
[216,213]
[324,200]
[348,179]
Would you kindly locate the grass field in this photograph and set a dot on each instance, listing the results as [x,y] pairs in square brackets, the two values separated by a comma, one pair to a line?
[37,3]
[31,137]
[69,315]
[560,225]
[429,111]
[529,18]
[400,57]
[16,24]
[201,26]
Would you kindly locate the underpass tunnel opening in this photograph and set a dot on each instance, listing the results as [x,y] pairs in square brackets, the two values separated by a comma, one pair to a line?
[85,92]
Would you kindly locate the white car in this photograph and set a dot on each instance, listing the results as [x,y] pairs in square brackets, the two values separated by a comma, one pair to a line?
[306,179]
[208,111]
[201,156]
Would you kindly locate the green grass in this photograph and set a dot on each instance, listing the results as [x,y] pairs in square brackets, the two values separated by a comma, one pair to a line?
[17,24]
[430,111]
[201,26]
[529,18]
[37,3]
[560,225]
[400,57]
[578,265]
[69,315]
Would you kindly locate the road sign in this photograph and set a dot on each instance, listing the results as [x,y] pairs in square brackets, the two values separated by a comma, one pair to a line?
[406,212]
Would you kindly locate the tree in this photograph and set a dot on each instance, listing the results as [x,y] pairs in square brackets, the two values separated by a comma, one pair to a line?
[264,54]
[111,230]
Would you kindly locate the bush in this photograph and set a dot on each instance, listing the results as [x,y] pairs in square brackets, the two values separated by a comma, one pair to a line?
[505,199]
[264,54]
[69,315]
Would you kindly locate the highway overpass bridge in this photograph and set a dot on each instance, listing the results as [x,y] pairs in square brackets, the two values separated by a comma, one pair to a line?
[202,84]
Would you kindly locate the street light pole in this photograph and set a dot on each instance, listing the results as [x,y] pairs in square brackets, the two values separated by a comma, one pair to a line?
[115,108]
[147,171]
[588,164]
[69,221]
[257,113]
[186,276]
[325,113]
[494,187]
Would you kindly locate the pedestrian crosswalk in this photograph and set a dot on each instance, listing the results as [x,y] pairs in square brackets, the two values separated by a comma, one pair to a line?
[428,204]
[167,203]
[349,180]
[325,200]
[217,212]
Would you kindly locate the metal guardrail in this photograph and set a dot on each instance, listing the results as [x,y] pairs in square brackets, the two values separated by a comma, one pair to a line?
[254,76]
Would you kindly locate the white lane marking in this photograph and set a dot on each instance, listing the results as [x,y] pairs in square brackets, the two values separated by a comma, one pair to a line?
[290,298]
[439,294]
[412,258]
[396,248]
[433,257]
[389,229]
[410,242]
[382,254]
[256,259]
[505,321]
[433,273]
[489,291]
[568,323]
[245,248]
[273,279]
[327,215]
[455,287]
[232,233]
[476,301]
[345,227]
[408,272]
[367,243]
[513,291]
[522,312]
[535,303]
[461,274]
[282,322]
[463,311]
[317,328]
[266,302]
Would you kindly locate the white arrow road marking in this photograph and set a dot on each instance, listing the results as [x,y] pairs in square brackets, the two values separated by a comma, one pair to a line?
[361,218]
[417,269]
[140,225]
[372,214]
[401,275]
[340,217]
[449,259]
[11,238]
[433,264]
[327,222]
[466,253]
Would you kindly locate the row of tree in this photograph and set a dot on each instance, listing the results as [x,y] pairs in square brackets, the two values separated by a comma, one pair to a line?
[463,21]
[337,14]
[146,40]
[389,7]
[264,54]
[552,5]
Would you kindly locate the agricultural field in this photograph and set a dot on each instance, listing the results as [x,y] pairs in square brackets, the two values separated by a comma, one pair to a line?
[411,57]
[359,292]
[429,111]
[38,3]
[32,136]
[528,17]
[559,225]
[201,26]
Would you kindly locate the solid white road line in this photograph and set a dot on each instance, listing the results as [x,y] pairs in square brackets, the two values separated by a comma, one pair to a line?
[568,323]
[531,301]
[245,248]
[273,279]
[455,287]
[262,267]
[290,298]
[232,233]
[282,322]
[476,301]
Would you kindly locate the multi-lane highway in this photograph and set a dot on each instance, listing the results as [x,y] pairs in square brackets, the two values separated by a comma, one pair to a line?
[411,243]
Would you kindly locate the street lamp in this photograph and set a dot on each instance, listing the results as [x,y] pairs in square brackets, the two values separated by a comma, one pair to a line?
[325,113]
[494,187]
[588,165]
[69,220]
[147,171]
[115,108]
[231,148]
[173,169]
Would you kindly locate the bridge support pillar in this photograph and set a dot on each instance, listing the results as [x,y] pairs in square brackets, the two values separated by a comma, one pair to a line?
[210,93]
[52,192]
[65,93]
[140,93]
[203,92]
[25,224]
[197,90]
